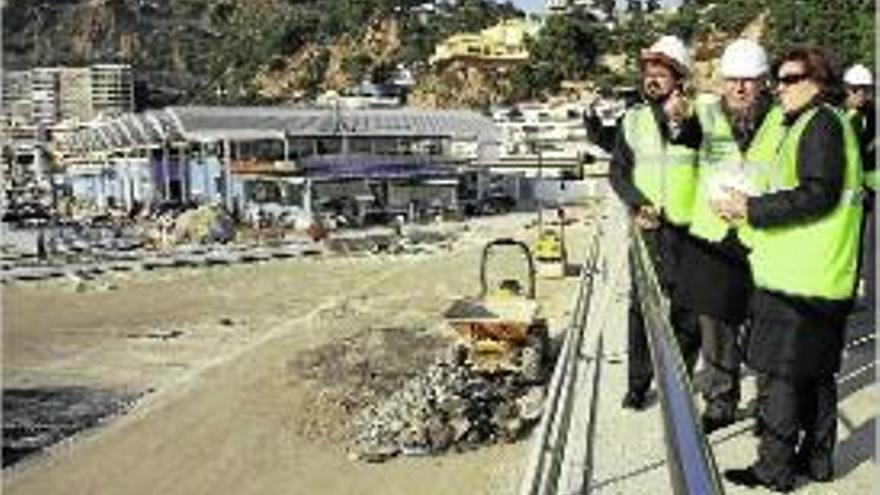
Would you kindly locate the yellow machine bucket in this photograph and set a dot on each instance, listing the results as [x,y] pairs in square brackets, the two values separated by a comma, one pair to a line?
[500,319]
[496,327]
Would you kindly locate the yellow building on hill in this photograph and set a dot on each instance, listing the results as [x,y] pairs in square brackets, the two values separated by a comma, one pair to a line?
[504,42]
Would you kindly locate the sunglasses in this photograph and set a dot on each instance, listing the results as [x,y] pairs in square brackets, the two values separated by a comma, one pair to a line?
[790,79]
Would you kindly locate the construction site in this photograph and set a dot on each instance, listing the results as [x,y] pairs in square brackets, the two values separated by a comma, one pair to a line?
[308,264]
[355,365]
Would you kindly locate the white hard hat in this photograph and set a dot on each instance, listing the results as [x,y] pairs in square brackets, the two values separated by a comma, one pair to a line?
[858,75]
[743,58]
[670,50]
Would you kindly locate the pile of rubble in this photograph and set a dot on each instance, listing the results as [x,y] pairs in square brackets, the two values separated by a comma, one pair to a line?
[448,407]
[202,225]
[393,391]
[394,241]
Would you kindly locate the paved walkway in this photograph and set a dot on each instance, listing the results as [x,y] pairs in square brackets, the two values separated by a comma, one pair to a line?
[630,449]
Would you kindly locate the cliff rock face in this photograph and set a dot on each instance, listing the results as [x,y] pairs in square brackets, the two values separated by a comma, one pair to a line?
[247,51]
[460,85]
[199,50]
[38,33]
[335,66]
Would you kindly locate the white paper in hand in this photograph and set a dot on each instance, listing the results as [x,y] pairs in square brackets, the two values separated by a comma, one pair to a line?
[737,180]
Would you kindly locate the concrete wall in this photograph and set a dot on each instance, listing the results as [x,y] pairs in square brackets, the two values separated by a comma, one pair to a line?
[556,191]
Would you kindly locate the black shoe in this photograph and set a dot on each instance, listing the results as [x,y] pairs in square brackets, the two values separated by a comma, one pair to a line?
[749,478]
[758,429]
[820,471]
[713,423]
[634,400]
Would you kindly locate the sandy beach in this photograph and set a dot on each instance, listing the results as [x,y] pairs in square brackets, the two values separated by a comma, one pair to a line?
[242,379]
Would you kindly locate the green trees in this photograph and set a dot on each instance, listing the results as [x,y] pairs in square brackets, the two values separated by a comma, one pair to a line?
[566,49]
[249,38]
[844,27]
[205,49]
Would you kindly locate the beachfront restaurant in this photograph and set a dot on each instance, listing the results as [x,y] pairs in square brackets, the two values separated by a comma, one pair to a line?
[284,157]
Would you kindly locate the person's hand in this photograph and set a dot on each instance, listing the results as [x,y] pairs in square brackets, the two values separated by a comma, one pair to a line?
[676,107]
[647,218]
[732,207]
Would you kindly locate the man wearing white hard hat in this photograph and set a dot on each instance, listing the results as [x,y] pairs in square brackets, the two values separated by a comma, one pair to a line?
[653,171]
[738,137]
[860,109]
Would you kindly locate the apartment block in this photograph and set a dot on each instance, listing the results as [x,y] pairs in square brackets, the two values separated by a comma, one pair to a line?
[17,104]
[45,96]
[112,89]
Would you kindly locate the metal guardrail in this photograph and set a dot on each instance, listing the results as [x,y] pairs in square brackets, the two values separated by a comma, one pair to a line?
[561,456]
[691,463]
[550,441]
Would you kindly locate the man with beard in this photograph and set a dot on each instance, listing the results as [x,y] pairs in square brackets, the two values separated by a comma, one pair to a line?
[653,172]
[739,137]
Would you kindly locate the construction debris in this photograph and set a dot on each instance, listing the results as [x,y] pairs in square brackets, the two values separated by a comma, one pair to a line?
[408,391]
[448,407]
[202,225]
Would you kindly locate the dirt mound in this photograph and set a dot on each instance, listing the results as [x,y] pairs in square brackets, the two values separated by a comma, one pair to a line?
[365,368]
[202,225]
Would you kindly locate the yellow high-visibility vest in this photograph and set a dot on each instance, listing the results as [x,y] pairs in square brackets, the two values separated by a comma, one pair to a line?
[665,173]
[817,258]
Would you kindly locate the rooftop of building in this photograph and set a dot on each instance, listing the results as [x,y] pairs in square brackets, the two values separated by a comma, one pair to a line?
[204,124]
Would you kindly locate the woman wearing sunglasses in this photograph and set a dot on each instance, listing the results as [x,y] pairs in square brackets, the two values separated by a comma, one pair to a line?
[805,225]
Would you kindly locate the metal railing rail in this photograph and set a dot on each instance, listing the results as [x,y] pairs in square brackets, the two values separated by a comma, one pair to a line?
[561,457]
[692,466]
[549,440]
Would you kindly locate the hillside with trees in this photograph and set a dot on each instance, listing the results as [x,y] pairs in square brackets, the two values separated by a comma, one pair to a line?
[271,51]
[202,51]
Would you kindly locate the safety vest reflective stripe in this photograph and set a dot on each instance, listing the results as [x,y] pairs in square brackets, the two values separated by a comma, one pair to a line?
[816,258]
[665,173]
[853,197]
[665,161]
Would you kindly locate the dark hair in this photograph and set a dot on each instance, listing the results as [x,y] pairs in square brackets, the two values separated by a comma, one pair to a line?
[819,67]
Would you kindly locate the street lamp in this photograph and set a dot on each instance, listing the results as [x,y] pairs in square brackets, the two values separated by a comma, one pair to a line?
[535,148]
